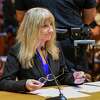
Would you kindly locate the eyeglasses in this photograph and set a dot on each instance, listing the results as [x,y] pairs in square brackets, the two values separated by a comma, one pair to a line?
[50,77]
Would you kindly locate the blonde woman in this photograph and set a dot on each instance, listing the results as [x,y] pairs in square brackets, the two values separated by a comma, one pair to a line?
[36,57]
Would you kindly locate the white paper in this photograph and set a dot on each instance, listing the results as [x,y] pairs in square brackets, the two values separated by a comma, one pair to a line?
[48,92]
[71,92]
[93,83]
[88,88]
[68,92]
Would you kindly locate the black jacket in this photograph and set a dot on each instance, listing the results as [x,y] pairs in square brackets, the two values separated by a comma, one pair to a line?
[13,70]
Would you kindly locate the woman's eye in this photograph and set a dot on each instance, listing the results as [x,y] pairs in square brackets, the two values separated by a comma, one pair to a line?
[45,26]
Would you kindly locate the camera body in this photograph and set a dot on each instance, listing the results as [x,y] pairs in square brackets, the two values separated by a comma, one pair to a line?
[80,33]
[75,33]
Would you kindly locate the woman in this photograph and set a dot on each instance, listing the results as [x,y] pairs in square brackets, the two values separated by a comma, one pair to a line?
[36,57]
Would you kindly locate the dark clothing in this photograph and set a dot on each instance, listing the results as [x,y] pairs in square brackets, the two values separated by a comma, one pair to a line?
[13,69]
[67,12]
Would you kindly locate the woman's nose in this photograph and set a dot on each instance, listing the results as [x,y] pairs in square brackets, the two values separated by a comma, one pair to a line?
[50,29]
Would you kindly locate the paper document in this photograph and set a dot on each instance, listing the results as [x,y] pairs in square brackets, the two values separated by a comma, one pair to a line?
[93,83]
[71,92]
[50,92]
[68,92]
[88,88]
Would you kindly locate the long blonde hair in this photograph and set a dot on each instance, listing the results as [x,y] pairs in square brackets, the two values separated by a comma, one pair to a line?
[28,34]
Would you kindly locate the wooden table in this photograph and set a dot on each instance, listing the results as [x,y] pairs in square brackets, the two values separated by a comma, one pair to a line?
[18,96]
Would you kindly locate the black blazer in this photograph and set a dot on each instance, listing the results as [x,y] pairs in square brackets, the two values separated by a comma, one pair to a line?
[13,69]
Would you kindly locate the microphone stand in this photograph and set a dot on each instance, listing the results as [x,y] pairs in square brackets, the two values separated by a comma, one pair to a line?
[61,96]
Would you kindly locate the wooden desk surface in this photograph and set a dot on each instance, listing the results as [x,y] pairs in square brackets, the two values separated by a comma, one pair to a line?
[18,96]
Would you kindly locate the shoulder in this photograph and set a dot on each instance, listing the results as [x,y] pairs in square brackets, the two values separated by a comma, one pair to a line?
[14,50]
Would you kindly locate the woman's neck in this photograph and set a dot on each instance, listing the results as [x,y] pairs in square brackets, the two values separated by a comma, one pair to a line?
[40,45]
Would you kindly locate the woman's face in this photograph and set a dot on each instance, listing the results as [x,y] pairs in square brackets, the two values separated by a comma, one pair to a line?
[46,31]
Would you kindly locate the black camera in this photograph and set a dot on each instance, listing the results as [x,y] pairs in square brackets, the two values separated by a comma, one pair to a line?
[75,33]
[80,33]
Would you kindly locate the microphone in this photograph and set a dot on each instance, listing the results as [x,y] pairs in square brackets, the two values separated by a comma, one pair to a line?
[61,96]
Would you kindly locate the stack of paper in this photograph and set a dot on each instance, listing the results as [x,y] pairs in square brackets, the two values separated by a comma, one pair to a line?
[68,92]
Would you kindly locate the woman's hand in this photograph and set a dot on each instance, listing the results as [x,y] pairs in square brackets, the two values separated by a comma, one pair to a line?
[79,77]
[32,84]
